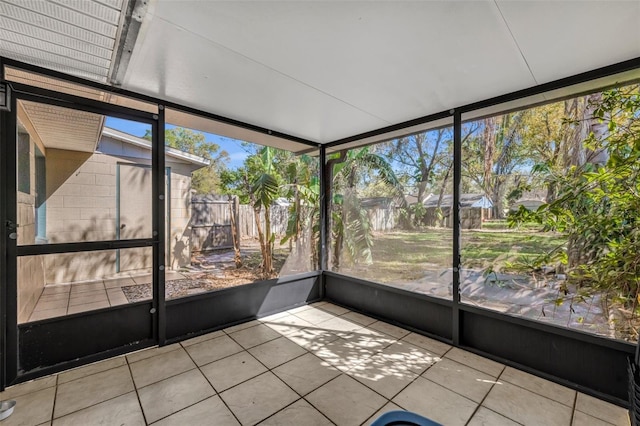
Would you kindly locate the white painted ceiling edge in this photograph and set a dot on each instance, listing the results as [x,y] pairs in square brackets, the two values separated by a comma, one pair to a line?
[324,71]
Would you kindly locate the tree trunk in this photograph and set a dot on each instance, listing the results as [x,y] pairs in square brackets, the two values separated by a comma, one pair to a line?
[233,210]
[263,247]
[268,258]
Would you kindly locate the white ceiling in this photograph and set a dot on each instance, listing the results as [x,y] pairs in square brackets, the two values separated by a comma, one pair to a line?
[325,70]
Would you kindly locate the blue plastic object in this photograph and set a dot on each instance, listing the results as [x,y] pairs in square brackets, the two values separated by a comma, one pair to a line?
[403,418]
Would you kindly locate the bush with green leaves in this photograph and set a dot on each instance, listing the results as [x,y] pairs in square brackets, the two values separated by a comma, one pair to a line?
[598,204]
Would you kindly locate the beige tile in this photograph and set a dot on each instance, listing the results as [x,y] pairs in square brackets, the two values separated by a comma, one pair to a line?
[461,379]
[413,357]
[173,275]
[312,338]
[202,338]
[241,326]
[315,315]
[345,401]
[299,309]
[213,350]
[32,409]
[582,419]
[306,373]
[435,402]
[56,289]
[28,387]
[277,315]
[116,297]
[486,417]
[254,336]
[287,324]
[88,297]
[232,370]
[358,318]
[45,304]
[54,297]
[340,326]
[485,365]
[277,352]
[427,343]
[258,398]
[318,304]
[160,367]
[297,414]
[371,340]
[90,369]
[387,377]
[91,390]
[123,410]
[602,409]
[86,287]
[87,307]
[526,407]
[171,395]
[343,354]
[390,406]
[50,313]
[540,386]
[118,282]
[143,279]
[203,413]
[389,329]
[334,309]
[148,353]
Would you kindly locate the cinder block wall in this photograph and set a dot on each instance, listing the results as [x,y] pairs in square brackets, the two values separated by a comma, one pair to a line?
[180,233]
[31,276]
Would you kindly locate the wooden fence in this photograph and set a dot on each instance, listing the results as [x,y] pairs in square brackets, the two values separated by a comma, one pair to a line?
[211,221]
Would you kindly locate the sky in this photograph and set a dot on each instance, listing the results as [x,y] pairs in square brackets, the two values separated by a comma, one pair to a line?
[237,153]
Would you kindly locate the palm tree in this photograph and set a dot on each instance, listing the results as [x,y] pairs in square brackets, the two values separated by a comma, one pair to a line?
[350,225]
[263,192]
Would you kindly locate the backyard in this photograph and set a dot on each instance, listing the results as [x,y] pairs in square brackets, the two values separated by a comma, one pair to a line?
[497,273]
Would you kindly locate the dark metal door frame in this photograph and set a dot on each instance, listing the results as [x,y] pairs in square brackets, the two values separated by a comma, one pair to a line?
[10,251]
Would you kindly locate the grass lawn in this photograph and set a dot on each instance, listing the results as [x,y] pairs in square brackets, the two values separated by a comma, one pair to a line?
[401,256]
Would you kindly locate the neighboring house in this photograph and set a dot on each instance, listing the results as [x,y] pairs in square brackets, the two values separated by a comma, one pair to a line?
[474,209]
[382,212]
[530,200]
[86,182]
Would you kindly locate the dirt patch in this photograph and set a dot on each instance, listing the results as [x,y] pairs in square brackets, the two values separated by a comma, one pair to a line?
[198,283]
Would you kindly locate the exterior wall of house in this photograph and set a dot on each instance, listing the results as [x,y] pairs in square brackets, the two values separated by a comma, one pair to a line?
[179,233]
[82,206]
[31,276]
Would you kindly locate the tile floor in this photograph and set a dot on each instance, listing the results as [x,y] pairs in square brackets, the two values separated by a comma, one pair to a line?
[65,299]
[314,365]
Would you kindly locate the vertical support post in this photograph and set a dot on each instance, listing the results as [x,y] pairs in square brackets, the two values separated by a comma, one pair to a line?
[4,142]
[325,196]
[8,127]
[159,232]
[455,205]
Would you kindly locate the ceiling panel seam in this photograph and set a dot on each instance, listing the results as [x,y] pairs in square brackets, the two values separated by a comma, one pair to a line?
[53,30]
[38,39]
[71,24]
[515,41]
[57,54]
[274,70]
[51,34]
[83,13]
